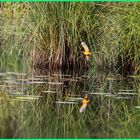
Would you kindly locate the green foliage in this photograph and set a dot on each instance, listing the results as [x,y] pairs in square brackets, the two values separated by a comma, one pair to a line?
[54,31]
[13,37]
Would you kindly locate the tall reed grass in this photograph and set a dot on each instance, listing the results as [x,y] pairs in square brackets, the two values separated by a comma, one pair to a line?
[13,35]
[52,34]
[110,30]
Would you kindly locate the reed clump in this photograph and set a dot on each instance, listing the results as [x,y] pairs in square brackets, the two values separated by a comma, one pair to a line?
[110,29]
[13,36]
[52,34]
[60,28]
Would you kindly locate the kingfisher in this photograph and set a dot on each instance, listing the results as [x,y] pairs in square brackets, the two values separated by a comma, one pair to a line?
[86,51]
[84,102]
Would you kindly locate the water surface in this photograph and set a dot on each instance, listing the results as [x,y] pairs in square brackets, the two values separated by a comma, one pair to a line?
[48,105]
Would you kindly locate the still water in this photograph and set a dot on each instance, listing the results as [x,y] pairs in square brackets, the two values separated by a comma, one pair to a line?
[36,105]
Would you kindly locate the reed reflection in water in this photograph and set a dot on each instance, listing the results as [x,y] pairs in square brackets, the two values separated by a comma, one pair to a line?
[48,105]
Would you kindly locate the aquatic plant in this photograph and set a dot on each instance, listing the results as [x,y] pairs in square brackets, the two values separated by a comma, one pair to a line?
[50,34]
[111,36]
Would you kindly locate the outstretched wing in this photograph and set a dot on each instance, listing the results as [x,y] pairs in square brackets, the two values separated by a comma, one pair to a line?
[83,107]
[85,46]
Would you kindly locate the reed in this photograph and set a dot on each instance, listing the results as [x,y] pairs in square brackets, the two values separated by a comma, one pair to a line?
[110,30]
[13,37]
[52,34]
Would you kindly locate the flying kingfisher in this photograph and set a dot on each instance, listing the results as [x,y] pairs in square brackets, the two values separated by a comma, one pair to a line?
[86,51]
[84,102]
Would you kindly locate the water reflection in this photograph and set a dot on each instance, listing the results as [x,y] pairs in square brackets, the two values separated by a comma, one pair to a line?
[66,86]
[56,97]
